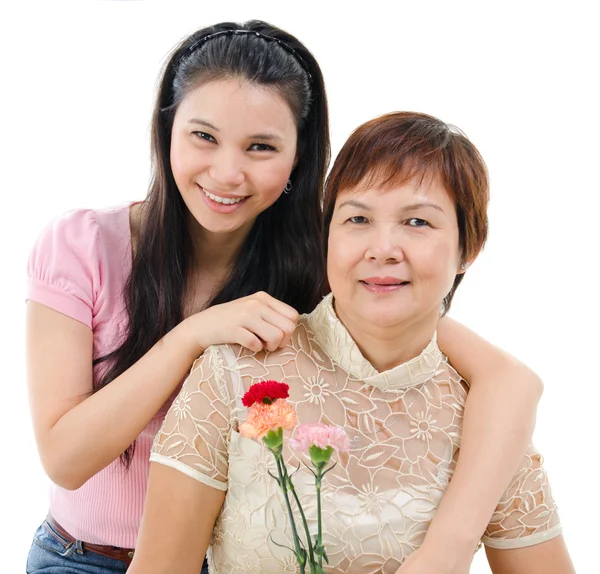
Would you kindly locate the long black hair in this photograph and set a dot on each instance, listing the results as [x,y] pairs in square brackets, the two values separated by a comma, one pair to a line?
[282,253]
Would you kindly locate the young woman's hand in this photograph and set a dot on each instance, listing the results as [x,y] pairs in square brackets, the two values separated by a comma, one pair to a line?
[256,322]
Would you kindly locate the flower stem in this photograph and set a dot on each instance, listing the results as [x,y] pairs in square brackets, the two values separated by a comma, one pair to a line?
[311,556]
[319,544]
[300,552]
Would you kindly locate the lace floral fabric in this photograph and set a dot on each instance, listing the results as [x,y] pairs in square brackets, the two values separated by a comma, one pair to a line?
[378,501]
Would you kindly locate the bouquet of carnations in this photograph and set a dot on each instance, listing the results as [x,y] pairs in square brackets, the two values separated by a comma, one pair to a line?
[269,414]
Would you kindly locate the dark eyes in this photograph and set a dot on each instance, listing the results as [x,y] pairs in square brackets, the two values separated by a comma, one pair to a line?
[261,147]
[205,136]
[253,147]
[412,222]
[416,222]
[358,219]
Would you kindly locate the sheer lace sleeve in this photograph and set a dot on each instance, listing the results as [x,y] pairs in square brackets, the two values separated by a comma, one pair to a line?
[194,436]
[527,513]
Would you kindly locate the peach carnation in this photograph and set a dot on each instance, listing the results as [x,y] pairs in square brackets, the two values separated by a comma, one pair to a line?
[262,418]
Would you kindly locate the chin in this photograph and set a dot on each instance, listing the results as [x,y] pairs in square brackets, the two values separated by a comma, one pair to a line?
[213,225]
[215,228]
[382,318]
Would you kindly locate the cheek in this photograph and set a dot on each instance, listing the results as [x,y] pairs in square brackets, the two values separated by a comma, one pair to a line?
[175,158]
[185,162]
[271,180]
[439,264]
[338,280]
[342,258]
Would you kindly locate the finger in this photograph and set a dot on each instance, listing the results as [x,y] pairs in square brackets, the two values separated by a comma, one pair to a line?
[272,337]
[269,334]
[285,341]
[248,339]
[279,306]
[282,322]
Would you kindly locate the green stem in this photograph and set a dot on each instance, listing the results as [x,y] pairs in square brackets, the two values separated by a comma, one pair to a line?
[318,479]
[300,552]
[311,556]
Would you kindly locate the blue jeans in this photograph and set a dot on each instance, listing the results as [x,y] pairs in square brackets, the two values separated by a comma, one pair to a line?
[50,553]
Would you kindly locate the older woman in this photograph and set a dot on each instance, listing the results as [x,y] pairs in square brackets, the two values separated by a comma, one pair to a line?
[406,216]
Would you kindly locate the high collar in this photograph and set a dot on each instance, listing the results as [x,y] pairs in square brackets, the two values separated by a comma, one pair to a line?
[335,340]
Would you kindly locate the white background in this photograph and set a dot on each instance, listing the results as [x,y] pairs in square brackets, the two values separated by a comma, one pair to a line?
[519,78]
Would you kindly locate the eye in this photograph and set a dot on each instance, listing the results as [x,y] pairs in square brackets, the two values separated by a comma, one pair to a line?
[358,220]
[417,222]
[261,147]
[204,136]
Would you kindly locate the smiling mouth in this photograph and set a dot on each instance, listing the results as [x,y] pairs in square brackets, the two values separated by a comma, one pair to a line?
[386,284]
[222,200]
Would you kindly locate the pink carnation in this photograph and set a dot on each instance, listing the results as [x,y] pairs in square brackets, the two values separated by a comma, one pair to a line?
[322,436]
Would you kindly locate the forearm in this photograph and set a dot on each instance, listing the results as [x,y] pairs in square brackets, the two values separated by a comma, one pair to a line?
[498,424]
[179,516]
[97,430]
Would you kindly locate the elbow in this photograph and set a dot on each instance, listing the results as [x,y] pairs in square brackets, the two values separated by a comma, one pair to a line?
[62,472]
[539,386]
[534,383]
[66,480]
[513,377]
[63,464]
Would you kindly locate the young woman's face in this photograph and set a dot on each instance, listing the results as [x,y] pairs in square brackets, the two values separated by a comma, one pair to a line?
[393,255]
[233,147]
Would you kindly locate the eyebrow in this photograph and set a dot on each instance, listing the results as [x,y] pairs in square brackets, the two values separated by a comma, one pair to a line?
[259,136]
[416,206]
[412,207]
[353,203]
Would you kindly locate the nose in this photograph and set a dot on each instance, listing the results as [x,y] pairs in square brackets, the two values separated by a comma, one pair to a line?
[384,245]
[226,169]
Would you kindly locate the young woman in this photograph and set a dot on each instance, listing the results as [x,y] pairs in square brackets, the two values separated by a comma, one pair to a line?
[406,213]
[225,249]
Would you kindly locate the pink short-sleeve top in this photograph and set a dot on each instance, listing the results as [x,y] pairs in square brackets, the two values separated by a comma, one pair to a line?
[79,266]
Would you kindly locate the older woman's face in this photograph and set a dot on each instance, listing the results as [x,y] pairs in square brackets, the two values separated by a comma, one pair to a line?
[393,255]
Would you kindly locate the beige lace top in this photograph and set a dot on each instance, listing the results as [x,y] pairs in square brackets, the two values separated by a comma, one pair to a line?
[405,428]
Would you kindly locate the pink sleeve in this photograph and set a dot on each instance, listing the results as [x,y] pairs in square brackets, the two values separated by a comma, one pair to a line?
[63,271]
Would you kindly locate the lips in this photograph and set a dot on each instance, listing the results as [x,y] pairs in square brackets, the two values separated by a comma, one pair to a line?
[223,200]
[222,204]
[384,281]
[384,285]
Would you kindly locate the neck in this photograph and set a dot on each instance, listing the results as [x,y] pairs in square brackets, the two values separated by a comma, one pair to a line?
[216,253]
[388,347]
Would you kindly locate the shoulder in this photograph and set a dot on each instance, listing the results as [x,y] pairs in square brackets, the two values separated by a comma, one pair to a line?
[221,361]
[446,372]
[67,245]
[69,227]
[114,220]
[81,229]
[69,262]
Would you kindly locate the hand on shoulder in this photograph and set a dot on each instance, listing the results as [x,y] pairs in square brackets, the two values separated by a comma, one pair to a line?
[256,322]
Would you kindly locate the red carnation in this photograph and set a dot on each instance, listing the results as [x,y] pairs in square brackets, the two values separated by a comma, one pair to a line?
[265,392]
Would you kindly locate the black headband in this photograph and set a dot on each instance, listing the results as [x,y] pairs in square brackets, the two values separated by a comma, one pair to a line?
[281,43]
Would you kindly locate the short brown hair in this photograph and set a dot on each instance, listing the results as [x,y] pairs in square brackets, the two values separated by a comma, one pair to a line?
[395,148]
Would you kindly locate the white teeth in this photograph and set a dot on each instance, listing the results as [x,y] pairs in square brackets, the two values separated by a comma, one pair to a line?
[223,200]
